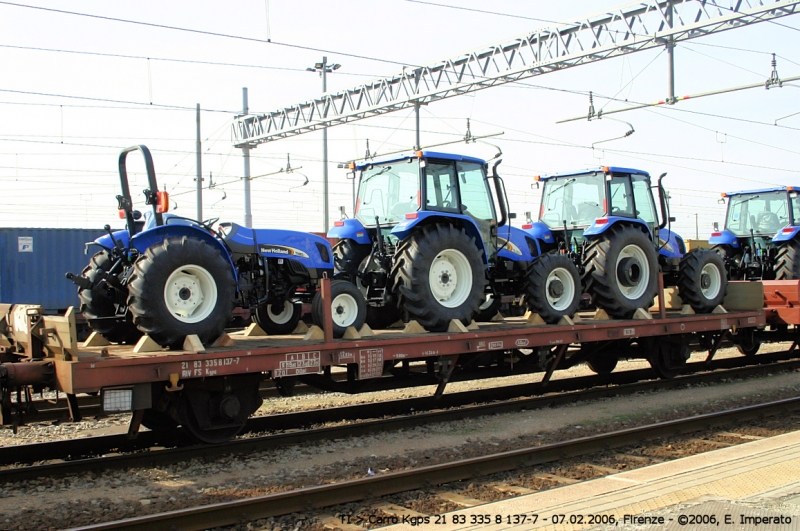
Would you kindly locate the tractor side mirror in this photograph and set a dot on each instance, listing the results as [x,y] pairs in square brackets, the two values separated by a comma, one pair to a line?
[716,226]
[512,215]
[528,218]
[672,219]
[351,175]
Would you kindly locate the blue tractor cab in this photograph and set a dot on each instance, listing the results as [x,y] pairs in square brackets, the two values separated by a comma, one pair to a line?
[431,240]
[759,240]
[605,219]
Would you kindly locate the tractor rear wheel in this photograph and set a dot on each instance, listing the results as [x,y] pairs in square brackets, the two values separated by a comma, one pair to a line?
[788,261]
[180,287]
[100,301]
[702,281]
[439,275]
[553,287]
[347,307]
[279,318]
[620,271]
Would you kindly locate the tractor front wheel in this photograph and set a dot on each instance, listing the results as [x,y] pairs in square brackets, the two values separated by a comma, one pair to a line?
[439,276]
[702,281]
[100,302]
[788,261]
[347,307]
[180,287]
[552,287]
[279,318]
[621,270]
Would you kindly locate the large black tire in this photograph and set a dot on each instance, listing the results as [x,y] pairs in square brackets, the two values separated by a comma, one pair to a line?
[553,287]
[787,265]
[621,271]
[347,307]
[180,287]
[278,319]
[702,280]
[349,257]
[101,301]
[439,275]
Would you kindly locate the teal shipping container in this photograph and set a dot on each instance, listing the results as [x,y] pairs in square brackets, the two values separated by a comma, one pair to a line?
[33,263]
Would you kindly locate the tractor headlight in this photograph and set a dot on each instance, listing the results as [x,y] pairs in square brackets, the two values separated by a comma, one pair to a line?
[506,244]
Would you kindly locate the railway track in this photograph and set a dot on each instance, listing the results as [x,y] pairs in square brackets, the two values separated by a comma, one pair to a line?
[561,392]
[223,514]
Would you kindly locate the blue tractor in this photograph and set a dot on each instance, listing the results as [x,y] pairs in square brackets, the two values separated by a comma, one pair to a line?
[430,242]
[606,220]
[759,240]
[170,277]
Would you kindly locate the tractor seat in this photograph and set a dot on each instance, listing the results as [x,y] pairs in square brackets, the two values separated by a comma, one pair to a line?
[238,239]
[768,222]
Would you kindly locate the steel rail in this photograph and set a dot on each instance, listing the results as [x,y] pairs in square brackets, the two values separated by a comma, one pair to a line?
[235,512]
[256,444]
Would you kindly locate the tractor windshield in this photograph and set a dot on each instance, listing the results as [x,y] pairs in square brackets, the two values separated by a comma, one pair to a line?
[388,192]
[765,213]
[576,200]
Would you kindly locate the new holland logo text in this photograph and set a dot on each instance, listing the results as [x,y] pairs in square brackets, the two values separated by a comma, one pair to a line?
[279,249]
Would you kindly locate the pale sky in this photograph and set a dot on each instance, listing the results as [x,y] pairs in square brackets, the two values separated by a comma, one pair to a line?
[65,116]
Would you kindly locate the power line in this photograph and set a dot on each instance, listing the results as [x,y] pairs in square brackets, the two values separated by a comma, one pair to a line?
[484,12]
[203,32]
[151,104]
[168,59]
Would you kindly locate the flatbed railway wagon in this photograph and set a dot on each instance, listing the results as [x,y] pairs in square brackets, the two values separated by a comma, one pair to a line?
[211,391]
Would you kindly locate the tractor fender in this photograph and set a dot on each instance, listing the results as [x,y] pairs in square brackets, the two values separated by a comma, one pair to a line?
[513,244]
[541,235]
[596,229]
[725,237]
[670,245]
[404,229]
[107,243]
[785,234]
[351,229]
[146,239]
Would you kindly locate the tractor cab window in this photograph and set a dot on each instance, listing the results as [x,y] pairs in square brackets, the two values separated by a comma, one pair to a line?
[794,197]
[441,192]
[576,200]
[643,198]
[388,192]
[764,213]
[621,196]
[475,195]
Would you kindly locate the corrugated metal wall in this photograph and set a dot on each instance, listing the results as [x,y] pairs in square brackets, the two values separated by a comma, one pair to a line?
[33,263]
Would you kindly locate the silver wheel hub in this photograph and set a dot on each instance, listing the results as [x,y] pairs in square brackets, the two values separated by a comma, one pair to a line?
[190,293]
[450,278]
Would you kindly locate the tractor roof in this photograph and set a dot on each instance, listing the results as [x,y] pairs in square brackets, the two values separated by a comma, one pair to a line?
[763,190]
[361,164]
[599,169]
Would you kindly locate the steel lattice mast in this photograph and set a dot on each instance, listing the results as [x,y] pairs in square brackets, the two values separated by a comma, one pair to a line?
[632,28]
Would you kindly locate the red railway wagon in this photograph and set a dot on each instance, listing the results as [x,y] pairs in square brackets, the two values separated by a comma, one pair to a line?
[211,391]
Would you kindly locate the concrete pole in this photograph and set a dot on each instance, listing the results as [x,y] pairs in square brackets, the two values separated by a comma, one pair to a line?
[324,153]
[199,171]
[248,216]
